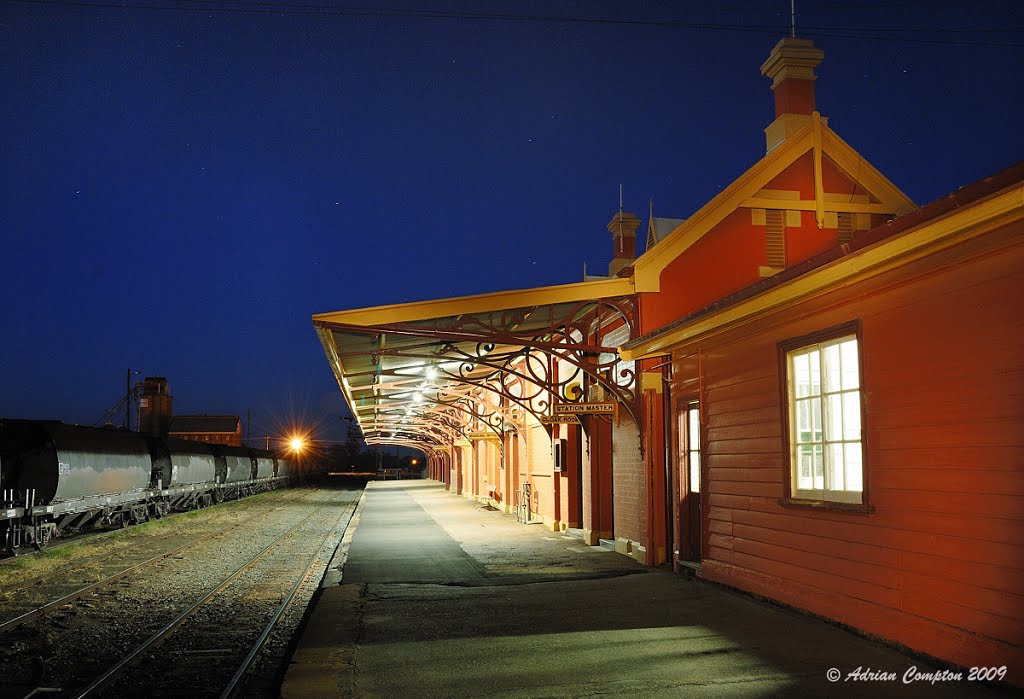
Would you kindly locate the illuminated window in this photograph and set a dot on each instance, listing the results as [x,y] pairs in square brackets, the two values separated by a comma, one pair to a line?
[826,450]
[693,445]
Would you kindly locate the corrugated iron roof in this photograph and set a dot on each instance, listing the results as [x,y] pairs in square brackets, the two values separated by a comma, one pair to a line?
[658,228]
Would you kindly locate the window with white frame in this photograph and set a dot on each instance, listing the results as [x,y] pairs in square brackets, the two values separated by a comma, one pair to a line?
[826,450]
[693,445]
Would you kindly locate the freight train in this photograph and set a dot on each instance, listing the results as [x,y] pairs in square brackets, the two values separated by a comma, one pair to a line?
[58,479]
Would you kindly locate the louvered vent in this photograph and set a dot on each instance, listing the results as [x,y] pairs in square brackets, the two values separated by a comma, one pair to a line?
[775,237]
[845,227]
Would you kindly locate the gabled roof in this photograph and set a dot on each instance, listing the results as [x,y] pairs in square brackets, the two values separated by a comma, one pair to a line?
[205,423]
[816,137]
[969,212]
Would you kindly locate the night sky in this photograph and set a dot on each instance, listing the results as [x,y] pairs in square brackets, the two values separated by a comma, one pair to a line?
[183,184]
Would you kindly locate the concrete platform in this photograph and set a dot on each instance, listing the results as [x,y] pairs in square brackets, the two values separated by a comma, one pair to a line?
[439,597]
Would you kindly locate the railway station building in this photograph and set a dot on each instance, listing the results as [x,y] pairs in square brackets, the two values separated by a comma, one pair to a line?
[810,389]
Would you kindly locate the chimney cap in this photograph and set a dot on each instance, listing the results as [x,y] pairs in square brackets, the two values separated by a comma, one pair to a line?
[792,58]
[623,223]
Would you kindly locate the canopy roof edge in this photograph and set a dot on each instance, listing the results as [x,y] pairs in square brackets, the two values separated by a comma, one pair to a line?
[496,301]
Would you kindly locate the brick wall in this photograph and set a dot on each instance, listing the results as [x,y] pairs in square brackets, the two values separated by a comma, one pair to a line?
[630,506]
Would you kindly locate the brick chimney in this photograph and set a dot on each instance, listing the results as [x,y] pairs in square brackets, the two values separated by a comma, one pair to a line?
[791,67]
[623,229]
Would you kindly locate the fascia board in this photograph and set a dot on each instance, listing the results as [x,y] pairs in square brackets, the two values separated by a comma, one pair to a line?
[481,303]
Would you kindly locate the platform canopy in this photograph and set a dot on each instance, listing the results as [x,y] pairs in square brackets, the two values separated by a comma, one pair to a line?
[431,373]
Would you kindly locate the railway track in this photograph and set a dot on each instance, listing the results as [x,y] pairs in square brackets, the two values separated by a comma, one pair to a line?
[72,582]
[98,560]
[157,631]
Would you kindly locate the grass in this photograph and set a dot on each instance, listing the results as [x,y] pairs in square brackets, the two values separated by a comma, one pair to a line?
[31,560]
[60,552]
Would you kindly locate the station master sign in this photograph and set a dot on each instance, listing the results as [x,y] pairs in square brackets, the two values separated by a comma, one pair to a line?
[585,409]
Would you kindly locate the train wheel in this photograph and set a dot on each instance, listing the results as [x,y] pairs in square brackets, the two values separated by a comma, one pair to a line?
[10,547]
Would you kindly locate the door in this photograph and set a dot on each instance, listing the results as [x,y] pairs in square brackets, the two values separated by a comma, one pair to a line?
[690,536]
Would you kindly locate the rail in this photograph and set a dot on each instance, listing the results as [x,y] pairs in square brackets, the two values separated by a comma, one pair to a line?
[310,567]
[129,659]
[21,619]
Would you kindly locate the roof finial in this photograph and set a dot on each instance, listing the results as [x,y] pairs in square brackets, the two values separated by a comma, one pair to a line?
[792,18]
[620,217]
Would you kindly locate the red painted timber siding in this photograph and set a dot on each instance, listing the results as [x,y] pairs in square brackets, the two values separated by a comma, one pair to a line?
[654,436]
[939,564]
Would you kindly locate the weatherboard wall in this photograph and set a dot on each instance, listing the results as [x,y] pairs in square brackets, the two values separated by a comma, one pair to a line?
[937,563]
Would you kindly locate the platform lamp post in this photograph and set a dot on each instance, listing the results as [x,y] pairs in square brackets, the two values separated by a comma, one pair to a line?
[297,444]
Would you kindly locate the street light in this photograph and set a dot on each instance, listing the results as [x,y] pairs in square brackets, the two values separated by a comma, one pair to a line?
[297,443]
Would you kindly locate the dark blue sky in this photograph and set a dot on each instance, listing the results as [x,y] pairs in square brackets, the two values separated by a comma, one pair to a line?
[181,190]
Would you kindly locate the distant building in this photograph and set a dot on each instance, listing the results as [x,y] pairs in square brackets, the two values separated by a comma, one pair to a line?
[155,406]
[214,429]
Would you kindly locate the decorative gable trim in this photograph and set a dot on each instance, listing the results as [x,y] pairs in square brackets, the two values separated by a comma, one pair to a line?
[948,222]
[814,136]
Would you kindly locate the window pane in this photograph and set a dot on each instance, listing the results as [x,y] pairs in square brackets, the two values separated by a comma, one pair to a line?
[851,415]
[803,422]
[684,433]
[801,376]
[694,472]
[836,480]
[693,427]
[815,359]
[851,365]
[804,481]
[834,417]
[832,368]
[819,467]
[854,468]
[816,420]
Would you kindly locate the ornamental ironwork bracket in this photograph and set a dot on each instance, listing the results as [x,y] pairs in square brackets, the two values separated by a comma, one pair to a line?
[520,355]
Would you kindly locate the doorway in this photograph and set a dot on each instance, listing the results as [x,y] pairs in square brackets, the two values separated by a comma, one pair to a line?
[690,515]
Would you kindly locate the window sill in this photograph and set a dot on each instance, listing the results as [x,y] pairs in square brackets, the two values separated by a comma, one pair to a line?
[825,505]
